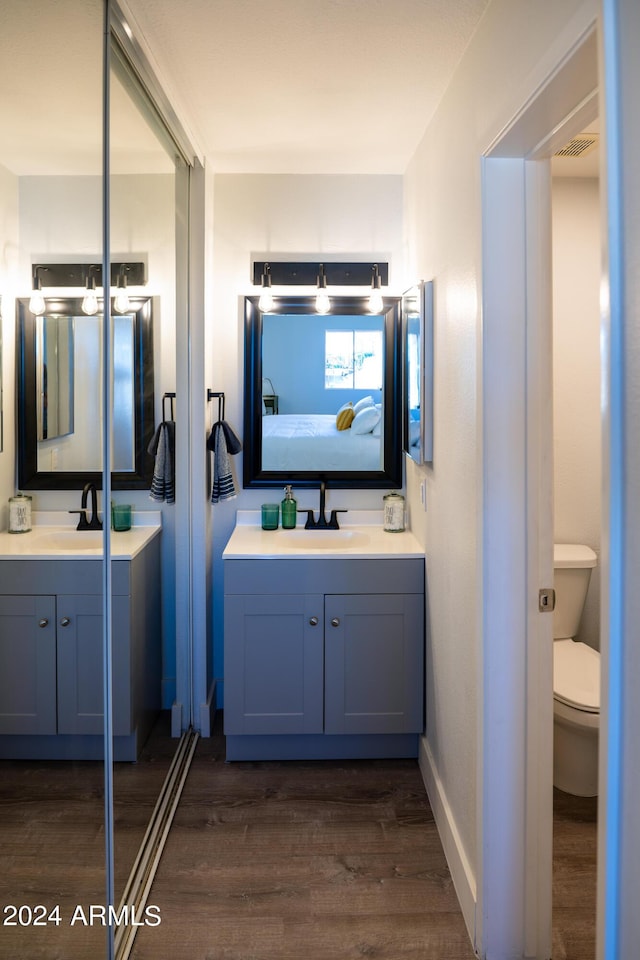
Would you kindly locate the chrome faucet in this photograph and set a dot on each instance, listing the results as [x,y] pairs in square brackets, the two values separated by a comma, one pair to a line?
[95,523]
[322,523]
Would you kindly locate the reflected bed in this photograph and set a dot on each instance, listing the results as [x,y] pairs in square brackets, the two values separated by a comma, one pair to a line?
[311,441]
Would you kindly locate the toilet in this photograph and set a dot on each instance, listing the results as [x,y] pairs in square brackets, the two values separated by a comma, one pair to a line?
[576,677]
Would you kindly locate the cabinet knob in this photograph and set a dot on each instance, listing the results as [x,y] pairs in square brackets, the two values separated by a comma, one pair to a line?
[313,621]
[43,623]
[65,621]
[335,622]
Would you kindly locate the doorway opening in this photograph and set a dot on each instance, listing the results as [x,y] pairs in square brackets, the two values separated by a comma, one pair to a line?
[517,508]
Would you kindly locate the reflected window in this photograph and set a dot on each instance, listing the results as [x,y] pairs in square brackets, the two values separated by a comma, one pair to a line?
[353,359]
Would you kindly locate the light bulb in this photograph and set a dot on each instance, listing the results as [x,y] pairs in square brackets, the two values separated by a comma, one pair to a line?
[90,301]
[36,303]
[121,299]
[376,304]
[266,297]
[323,304]
[266,300]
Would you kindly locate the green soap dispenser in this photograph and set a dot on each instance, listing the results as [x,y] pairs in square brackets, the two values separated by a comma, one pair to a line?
[289,509]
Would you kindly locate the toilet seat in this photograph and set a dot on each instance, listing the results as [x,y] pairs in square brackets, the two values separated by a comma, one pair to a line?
[576,675]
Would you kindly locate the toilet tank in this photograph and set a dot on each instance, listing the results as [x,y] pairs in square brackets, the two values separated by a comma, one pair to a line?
[572,566]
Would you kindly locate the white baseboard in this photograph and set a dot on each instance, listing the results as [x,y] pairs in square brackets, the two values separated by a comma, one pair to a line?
[462,875]
[208,712]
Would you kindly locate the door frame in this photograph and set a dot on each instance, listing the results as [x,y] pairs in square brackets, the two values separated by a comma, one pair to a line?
[515,816]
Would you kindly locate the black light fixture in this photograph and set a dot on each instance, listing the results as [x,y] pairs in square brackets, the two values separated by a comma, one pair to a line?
[372,276]
[88,275]
[266,297]
[376,304]
[286,273]
[323,304]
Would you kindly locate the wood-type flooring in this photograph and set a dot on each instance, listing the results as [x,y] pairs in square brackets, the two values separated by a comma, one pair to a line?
[574,876]
[52,846]
[303,861]
[317,861]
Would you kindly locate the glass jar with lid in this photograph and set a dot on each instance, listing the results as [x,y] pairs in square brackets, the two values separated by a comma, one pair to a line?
[393,512]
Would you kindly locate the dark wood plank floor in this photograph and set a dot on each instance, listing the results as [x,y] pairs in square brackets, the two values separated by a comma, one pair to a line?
[52,843]
[319,861]
[304,860]
[574,876]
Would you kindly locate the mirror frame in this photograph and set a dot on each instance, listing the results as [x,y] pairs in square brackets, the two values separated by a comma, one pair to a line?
[422,294]
[29,477]
[391,473]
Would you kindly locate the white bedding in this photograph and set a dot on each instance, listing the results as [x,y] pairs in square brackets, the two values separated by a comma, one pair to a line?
[311,441]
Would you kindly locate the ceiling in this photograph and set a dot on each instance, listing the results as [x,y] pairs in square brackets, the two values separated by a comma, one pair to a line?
[265,86]
[276,86]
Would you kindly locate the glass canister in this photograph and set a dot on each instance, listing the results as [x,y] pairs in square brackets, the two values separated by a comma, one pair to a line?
[393,512]
[20,513]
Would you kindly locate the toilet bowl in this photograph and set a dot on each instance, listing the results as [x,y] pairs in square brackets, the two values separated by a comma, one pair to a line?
[576,677]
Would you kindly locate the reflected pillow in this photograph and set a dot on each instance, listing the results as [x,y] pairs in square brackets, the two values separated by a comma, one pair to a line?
[377,430]
[361,404]
[345,416]
[365,420]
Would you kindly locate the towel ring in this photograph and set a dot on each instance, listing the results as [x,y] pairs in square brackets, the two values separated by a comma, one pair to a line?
[220,395]
[170,397]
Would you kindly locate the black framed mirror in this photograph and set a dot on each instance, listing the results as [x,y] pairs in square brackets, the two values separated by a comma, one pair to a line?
[64,387]
[301,369]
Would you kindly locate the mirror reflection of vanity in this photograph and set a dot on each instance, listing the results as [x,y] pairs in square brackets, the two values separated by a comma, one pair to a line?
[59,382]
[317,364]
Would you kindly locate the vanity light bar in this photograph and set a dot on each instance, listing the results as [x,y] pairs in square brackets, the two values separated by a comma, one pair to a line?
[305,273]
[77,274]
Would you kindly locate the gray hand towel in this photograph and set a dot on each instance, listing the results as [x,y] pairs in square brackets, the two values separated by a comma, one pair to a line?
[223,486]
[162,447]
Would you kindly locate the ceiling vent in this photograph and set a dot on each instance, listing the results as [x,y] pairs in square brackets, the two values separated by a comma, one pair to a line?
[579,146]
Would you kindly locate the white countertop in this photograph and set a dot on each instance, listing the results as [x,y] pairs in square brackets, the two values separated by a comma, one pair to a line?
[54,537]
[361,536]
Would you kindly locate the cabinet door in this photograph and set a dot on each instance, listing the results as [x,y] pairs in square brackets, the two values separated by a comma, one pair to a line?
[374,664]
[27,665]
[273,664]
[80,693]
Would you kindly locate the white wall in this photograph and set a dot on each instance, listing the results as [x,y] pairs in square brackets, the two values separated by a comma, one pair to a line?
[9,270]
[514,50]
[577,446]
[287,217]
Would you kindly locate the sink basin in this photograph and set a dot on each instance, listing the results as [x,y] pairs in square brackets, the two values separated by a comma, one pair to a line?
[322,539]
[74,540]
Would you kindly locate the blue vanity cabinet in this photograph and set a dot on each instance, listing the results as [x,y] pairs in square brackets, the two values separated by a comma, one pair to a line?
[51,657]
[330,667]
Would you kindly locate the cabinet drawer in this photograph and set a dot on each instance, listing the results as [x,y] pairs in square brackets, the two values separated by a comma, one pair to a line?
[401,575]
[63,576]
